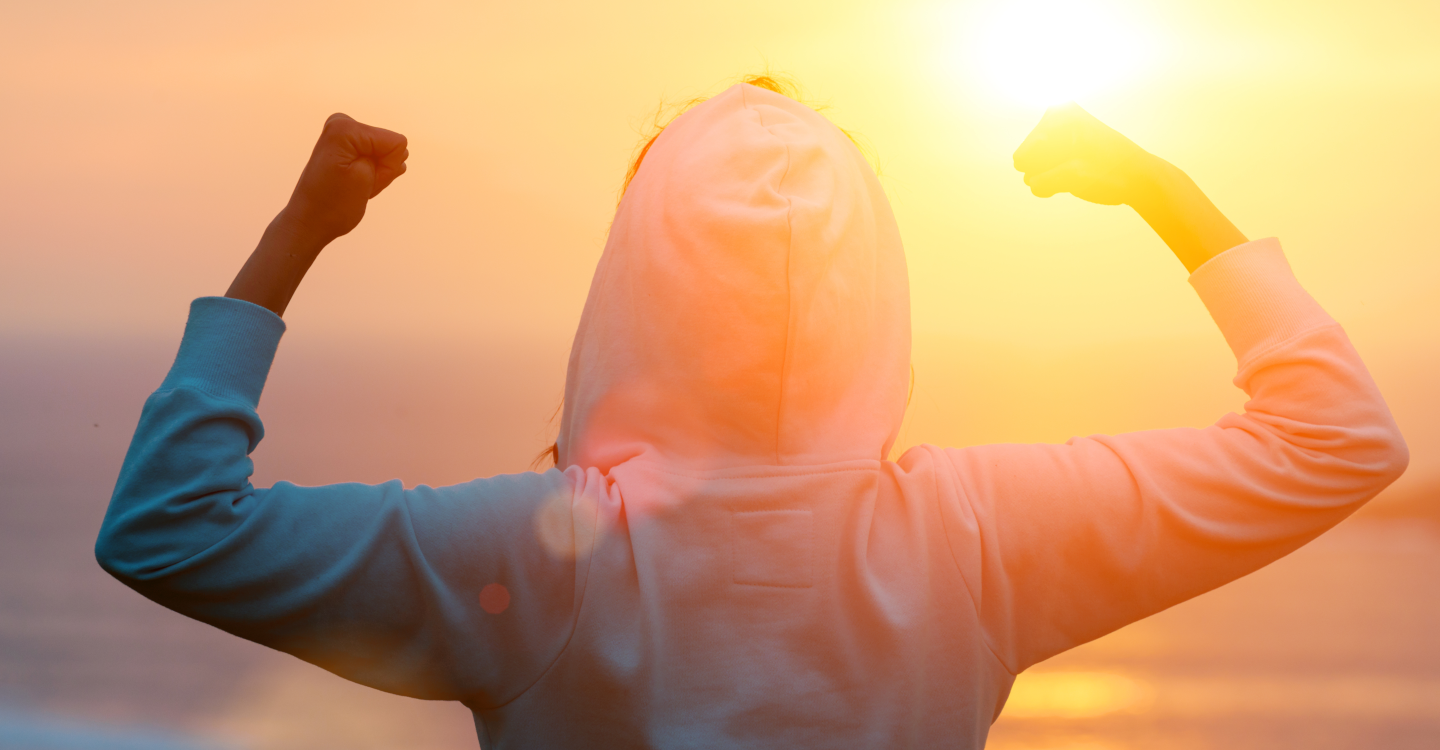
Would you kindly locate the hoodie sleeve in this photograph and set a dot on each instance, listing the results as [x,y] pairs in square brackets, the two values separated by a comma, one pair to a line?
[428,592]
[1080,539]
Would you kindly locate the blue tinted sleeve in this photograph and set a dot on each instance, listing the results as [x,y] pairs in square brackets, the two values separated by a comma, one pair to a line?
[377,583]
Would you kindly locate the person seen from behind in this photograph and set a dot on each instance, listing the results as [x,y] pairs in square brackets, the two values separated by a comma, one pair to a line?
[723,556]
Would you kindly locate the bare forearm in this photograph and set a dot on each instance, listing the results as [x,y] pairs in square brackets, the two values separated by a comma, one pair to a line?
[273,272]
[1178,211]
[351,164]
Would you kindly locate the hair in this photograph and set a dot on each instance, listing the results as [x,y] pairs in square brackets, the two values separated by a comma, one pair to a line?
[551,453]
[779,83]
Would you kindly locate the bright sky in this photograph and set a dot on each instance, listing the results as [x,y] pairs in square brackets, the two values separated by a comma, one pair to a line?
[1047,52]
[148,143]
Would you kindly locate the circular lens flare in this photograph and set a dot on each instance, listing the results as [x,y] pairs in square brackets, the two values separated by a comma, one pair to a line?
[1046,52]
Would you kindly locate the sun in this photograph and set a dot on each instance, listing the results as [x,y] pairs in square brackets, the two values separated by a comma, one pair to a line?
[1046,52]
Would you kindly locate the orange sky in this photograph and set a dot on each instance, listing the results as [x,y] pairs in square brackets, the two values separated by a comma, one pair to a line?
[149,143]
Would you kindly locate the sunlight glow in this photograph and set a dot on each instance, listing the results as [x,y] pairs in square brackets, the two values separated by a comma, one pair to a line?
[1046,52]
[1076,695]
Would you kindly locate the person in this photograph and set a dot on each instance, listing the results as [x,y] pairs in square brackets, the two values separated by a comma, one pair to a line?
[724,557]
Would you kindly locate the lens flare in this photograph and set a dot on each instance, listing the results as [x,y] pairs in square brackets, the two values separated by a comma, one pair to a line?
[1045,52]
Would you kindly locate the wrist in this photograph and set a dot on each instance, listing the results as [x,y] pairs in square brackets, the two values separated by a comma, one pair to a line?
[273,272]
[1175,207]
[1158,187]
[290,234]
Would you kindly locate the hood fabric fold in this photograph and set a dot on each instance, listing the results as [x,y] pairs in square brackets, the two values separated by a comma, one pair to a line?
[751,306]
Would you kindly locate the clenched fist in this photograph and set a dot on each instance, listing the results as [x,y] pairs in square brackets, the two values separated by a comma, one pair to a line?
[352,162]
[1072,152]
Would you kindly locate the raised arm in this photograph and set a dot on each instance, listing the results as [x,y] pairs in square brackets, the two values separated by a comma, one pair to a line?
[1079,539]
[430,592]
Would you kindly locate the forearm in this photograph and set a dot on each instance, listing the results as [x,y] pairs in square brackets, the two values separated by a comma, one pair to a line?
[1104,530]
[331,574]
[273,272]
[185,481]
[1174,206]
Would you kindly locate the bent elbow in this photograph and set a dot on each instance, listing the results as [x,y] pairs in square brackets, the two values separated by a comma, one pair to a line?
[1346,466]
[105,558]
[138,540]
[115,554]
[1376,461]
[1395,457]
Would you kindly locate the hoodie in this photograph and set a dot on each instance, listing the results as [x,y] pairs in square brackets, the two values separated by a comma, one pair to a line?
[727,558]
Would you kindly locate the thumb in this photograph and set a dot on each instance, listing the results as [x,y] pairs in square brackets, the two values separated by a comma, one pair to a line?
[380,142]
[387,169]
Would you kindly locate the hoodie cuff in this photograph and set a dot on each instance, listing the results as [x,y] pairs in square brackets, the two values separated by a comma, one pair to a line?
[227,350]
[1255,298]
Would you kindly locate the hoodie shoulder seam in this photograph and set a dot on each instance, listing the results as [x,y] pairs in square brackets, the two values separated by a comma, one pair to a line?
[941,462]
[580,590]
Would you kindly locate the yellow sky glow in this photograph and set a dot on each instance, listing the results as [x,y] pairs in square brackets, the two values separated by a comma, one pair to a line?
[151,142]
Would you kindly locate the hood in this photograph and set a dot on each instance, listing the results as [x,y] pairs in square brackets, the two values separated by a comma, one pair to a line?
[751,306]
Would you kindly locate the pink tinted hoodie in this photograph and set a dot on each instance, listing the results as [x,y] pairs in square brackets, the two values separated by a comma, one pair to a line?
[760,575]
[727,559]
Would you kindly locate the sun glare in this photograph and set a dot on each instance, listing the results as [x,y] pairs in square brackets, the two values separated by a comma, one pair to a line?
[1075,695]
[1045,52]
